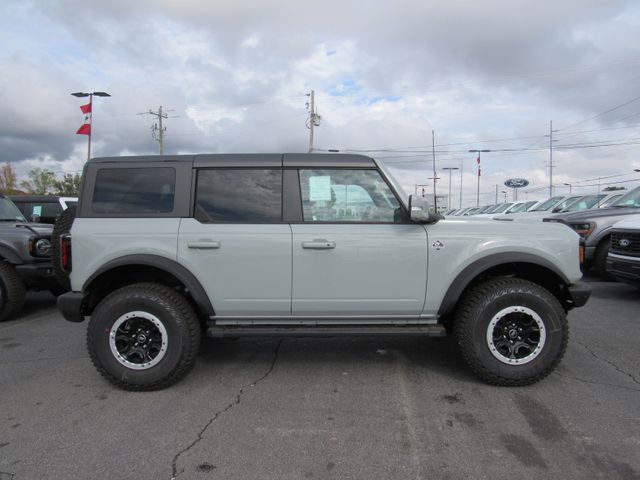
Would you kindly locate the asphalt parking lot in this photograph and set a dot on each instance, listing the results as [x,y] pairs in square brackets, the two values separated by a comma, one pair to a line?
[396,408]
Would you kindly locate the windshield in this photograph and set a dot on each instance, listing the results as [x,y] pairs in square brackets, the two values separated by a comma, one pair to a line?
[547,205]
[630,200]
[522,207]
[565,204]
[501,208]
[9,212]
[610,201]
[584,203]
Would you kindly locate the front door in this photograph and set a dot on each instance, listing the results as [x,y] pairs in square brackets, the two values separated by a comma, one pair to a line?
[353,254]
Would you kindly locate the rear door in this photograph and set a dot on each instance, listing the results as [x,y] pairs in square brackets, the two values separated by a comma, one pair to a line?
[236,243]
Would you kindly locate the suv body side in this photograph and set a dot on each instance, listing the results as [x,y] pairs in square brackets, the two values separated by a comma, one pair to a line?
[393,271]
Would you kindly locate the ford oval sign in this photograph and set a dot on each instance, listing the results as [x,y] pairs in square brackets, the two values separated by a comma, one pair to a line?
[516,182]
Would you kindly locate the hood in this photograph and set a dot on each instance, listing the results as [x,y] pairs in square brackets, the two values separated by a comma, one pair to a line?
[594,214]
[39,228]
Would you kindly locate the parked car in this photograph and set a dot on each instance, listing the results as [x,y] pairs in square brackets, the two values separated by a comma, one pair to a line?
[623,259]
[25,262]
[594,226]
[164,248]
[42,208]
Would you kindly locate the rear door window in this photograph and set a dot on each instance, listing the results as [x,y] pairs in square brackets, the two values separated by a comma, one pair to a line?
[242,195]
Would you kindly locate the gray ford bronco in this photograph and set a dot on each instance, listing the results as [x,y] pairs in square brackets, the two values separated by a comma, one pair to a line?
[164,249]
[25,261]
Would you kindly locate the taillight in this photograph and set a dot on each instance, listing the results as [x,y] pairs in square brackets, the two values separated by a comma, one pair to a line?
[65,253]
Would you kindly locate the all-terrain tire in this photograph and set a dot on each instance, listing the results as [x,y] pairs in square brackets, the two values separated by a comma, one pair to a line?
[63,225]
[12,291]
[143,312]
[487,323]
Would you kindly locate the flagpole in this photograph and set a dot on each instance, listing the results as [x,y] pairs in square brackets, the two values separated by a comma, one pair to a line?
[478,160]
[90,122]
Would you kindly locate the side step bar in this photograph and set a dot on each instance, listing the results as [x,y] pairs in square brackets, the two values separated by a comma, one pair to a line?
[328,331]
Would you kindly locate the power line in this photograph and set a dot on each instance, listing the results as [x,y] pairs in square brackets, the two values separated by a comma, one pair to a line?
[602,113]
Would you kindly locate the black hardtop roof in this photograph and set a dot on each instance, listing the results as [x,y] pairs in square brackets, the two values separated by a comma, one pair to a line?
[251,160]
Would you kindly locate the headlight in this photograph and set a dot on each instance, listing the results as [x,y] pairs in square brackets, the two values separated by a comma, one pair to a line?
[40,247]
[583,229]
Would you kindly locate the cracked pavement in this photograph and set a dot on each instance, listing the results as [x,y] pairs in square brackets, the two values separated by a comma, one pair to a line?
[350,408]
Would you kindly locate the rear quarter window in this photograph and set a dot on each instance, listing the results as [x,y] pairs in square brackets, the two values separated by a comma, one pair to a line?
[134,190]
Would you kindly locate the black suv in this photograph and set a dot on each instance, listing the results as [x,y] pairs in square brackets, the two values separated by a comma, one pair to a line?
[42,208]
[25,259]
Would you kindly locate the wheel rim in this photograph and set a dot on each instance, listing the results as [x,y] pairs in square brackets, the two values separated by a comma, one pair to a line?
[516,335]
[138,340]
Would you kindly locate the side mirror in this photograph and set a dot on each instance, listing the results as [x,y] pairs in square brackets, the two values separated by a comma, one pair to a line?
[419,211]
[35,218]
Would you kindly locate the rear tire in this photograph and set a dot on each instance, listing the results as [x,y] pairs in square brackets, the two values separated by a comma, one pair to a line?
[143,337]
[63,225]
[510,331]
[12,292]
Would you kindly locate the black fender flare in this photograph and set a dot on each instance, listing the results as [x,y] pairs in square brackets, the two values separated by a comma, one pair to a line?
[172,267]
[466,276]
[10,254]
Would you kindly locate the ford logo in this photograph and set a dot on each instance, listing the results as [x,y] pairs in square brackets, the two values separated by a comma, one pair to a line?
[624,242]
[516,182]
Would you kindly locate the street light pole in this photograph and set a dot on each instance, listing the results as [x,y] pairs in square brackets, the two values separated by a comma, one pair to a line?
[478,190]
[569,187]
[90,95]
[449,197]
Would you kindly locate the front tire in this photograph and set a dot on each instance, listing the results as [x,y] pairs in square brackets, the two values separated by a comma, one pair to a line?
[143,337]
[12,292]
[511,332]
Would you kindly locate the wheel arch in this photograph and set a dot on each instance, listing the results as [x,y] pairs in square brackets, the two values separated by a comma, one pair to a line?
[140,267]
[522,265]
[10,254]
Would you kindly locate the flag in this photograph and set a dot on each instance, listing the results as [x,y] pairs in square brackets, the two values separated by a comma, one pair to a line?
[478,160]
[86,108]
[85,129]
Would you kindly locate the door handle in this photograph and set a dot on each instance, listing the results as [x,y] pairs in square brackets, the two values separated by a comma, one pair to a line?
[204,244]
[319,244]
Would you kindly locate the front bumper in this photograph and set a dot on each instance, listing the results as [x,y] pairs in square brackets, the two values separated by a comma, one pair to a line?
[71,305]
[37,275]
[624,269]
[579,293]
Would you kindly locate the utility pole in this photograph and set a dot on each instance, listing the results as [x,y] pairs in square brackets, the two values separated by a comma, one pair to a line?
[157,130]
[435,178]
[314,119]
[551,131]
[461,165]
[496,185]
[449,197]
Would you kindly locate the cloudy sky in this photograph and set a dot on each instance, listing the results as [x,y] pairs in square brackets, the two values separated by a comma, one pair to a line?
[233,76]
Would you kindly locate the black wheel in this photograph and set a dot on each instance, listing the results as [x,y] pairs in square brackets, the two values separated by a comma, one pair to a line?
[599,265]
[143,337]
[63,225]
[511,331]
[12,292]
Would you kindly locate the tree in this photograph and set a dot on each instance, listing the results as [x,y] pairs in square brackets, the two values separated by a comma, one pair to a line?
[8,182]
[612,189]
[69,186]
[41,181]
